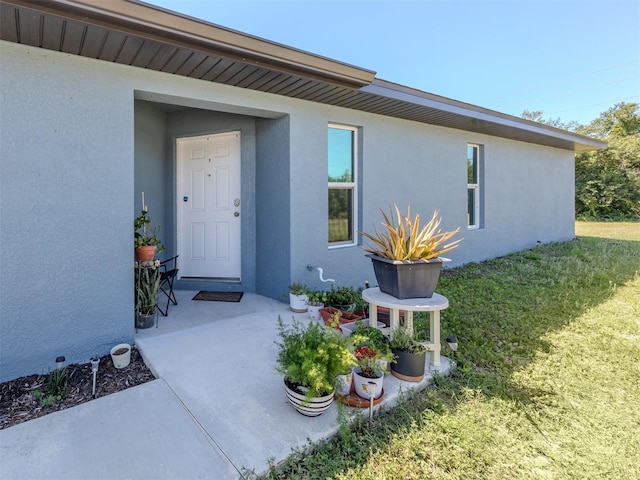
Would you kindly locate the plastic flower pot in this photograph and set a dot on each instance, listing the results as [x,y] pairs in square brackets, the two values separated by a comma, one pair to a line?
[121,355]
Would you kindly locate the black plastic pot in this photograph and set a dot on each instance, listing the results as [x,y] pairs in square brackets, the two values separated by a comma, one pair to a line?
[407,279]
[408,366]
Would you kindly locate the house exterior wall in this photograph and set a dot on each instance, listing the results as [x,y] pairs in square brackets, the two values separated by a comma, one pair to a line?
[74,139]
[66,189]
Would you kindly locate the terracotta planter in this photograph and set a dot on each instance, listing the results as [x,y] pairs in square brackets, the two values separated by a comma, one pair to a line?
[345,317]
[408,366]
[384,315]
[309,407]
[407,279]
[146,252]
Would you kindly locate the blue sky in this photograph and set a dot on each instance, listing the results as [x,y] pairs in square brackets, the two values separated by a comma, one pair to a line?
[571,59]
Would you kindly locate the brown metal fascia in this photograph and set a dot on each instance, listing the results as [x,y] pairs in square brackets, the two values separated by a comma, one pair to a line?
[496,123]
[154,23]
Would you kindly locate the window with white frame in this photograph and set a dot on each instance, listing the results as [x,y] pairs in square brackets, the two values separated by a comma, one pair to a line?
[342,165]
[474,169]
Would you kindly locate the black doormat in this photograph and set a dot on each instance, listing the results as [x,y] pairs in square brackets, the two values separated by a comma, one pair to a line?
[219,296]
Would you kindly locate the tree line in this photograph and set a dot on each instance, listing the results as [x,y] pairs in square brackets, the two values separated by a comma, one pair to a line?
[607,180]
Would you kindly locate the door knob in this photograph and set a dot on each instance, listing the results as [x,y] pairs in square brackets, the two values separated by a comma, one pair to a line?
[185,199]
[236,214]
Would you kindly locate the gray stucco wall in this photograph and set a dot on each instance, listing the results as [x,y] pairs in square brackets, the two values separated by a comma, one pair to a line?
[74,141]
[273,204]
[66,190]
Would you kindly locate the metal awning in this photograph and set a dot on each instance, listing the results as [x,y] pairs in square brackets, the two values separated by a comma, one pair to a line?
[144,36]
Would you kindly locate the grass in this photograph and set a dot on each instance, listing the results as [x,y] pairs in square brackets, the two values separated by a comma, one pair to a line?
[548,380]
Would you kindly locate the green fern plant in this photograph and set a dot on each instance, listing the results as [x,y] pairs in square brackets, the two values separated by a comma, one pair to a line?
[312,356]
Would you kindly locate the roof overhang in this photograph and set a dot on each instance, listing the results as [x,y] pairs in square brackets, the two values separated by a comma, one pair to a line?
[145,36]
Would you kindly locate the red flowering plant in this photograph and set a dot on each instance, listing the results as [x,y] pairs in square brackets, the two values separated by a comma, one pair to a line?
[372,363]
[372,350]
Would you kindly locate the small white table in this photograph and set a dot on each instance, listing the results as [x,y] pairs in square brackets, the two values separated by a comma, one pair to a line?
[433,305]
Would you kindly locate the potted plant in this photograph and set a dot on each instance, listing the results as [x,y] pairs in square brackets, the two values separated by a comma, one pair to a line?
[372,355]
[315,302]
[145,237]
[342,298]
[121,355]
[409,356]
[368,376]
[334,317]
[298,297]
[311,358]
[147,287]
[407,258]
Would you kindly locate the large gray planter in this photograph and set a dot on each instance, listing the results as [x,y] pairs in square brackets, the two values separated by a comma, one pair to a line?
[409,278]
[408,366]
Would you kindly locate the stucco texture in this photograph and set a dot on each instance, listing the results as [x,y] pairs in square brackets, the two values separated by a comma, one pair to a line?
[76,133]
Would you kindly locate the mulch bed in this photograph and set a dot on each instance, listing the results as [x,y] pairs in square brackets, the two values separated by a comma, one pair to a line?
[19,404]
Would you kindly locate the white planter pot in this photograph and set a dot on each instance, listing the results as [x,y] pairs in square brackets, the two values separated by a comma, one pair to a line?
[298,303]
[310,407]
[348,328]
[314,311]
[343,384]
[123,357]
[363,385]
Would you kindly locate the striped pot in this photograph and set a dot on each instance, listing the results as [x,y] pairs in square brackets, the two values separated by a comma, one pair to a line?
[309,407]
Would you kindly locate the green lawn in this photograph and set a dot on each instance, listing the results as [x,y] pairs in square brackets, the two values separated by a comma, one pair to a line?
[548,382]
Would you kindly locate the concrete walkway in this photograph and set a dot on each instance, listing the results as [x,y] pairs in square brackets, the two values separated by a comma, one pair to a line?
[216,411]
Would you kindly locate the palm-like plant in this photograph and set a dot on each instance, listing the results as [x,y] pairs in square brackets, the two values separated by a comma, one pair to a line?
[404,239]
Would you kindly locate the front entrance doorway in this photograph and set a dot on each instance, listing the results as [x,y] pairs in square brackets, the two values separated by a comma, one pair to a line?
[209,206]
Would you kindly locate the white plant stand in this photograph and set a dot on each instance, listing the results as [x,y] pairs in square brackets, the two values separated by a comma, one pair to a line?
[433,305]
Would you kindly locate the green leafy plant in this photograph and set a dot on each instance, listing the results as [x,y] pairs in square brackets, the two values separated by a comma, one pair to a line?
[144,233]
[361,304]
[372,363]
[369,336]
[298,288]
[404,239]
[371,349]
[316,297]
[341,296]
[402,339]
[57,387]
[312,356]
[148,287]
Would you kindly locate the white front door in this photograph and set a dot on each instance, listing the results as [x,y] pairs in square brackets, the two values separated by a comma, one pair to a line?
[208,190]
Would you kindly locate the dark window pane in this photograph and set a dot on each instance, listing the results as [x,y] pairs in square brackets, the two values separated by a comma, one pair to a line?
[472,167]
[471,206]
[340,155]
[340,215]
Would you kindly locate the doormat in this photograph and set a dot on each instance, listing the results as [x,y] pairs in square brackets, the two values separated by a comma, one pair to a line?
[218,296]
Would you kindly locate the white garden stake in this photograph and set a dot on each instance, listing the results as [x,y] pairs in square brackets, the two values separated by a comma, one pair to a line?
[95,362]
[372,385]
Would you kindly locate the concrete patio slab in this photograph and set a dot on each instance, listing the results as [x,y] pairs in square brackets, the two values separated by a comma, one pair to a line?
[217,411]
[142,432]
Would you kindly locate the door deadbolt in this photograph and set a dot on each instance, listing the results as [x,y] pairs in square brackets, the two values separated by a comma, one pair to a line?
[236,214]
